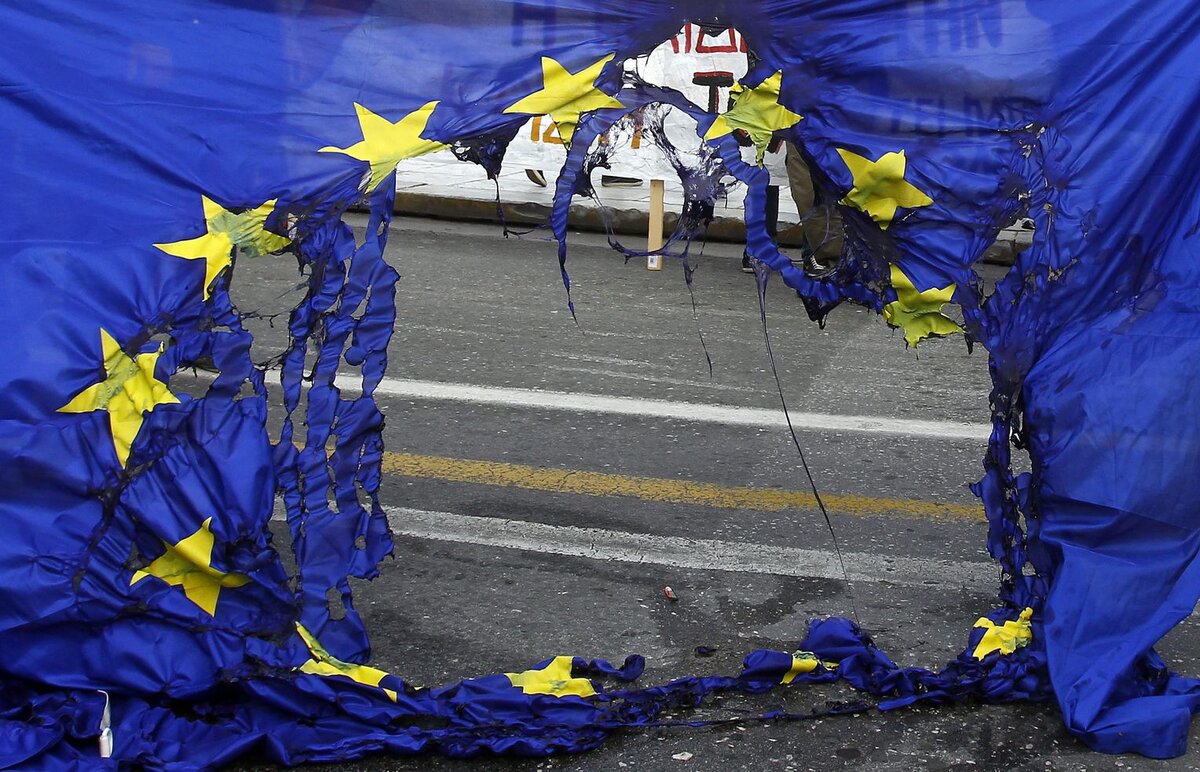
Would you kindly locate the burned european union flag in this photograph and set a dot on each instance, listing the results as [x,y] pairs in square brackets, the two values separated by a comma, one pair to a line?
[145,615]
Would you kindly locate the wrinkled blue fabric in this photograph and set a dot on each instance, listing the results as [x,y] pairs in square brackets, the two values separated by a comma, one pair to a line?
[115,119]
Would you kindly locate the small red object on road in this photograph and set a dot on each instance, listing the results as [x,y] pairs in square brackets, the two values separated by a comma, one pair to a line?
[669,594]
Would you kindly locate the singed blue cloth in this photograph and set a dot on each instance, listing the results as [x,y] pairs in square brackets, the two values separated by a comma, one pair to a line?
[147,148]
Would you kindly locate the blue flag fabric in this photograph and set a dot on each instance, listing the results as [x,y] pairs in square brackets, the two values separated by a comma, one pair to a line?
[149,148]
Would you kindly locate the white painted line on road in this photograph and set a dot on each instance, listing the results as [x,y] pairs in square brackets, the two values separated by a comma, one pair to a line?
[702,554]
[653,380]
[656,408]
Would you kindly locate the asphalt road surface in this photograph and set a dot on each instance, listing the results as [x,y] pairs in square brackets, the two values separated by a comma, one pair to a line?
[546,478]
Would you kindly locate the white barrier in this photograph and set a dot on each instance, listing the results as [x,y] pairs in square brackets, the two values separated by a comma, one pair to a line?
[700,66]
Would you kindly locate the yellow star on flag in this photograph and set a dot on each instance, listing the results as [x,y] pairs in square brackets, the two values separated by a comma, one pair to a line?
[188,564]
[565,96]
[129,391]
[1006,638]
[919,314]
[554,679]
[804,662]
[325,664]
[385,144]
[224,231]
[879,186]
[756,111]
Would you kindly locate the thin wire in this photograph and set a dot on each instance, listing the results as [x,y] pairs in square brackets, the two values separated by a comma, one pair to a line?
[761,274]
[688,271]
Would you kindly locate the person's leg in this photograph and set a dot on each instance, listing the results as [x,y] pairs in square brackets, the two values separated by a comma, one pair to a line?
[799,180]
[822,225]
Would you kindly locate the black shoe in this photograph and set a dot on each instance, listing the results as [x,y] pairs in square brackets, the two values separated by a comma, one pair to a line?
[746,266]
[536,177]
[815,268]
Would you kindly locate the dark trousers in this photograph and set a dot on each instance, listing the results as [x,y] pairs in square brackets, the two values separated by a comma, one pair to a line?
[822,224]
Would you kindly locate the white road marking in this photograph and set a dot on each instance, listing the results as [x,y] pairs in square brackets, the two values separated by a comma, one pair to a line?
[414,327]
[656,408]
[703,554]
[657,379]
[620,361]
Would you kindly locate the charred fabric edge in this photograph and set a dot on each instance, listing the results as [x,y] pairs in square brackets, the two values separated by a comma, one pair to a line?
[348,313]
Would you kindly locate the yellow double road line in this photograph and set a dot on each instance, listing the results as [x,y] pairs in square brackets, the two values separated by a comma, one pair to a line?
[659,489]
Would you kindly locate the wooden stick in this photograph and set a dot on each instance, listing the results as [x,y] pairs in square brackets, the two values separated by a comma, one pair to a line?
[654,238]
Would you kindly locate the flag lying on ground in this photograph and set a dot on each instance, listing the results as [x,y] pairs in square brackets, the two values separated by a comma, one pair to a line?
[148,148]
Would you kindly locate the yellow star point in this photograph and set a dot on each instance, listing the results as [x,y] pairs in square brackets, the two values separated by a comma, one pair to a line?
[325,664]
[879,186]
[129,391]
[553,679]
[1006,638]
[756,111]
[919,314]
[385,144]
[565,95]
[225,230]
[804,662]
[188,564]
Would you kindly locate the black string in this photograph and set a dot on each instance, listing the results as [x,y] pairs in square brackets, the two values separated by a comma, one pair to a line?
[761,273]
[688,272]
